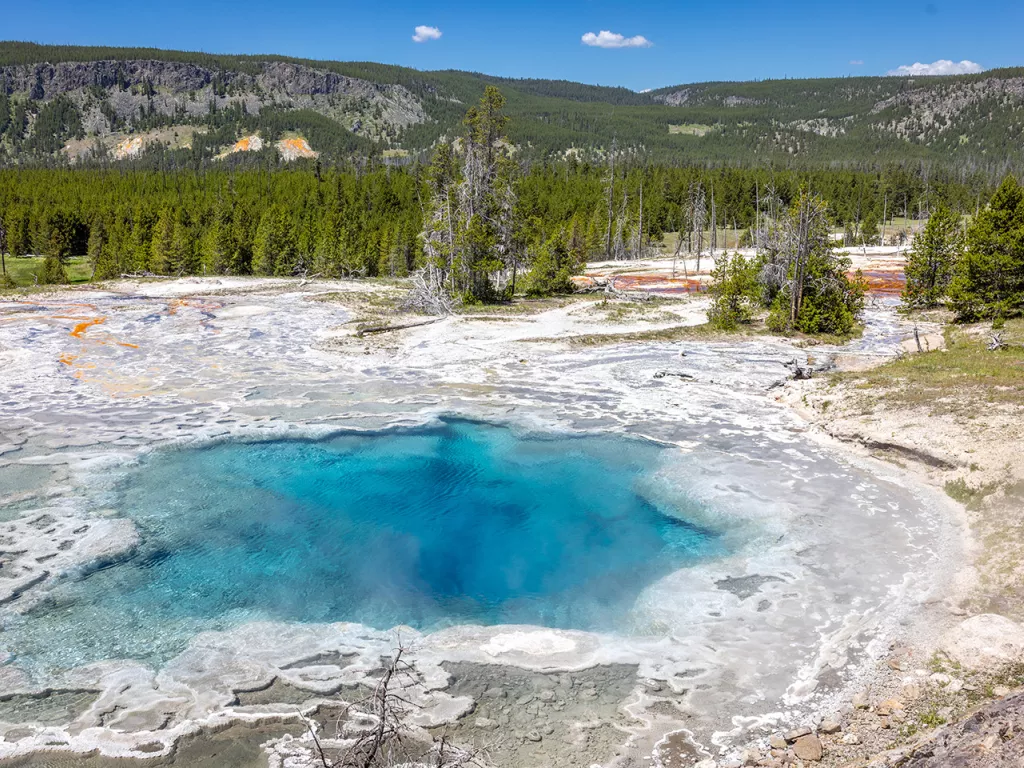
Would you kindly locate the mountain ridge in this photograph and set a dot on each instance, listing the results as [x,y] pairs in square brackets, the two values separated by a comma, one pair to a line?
[53,95]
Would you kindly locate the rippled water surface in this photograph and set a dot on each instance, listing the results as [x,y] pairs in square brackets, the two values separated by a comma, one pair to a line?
[458,523]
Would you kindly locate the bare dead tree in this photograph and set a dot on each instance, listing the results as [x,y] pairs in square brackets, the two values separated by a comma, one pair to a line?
[789,243]
[698,217]
[611,202]
[379,735]
[3,248]
[429,294]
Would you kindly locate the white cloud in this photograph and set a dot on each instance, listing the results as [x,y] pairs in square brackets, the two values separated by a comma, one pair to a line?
[423,34]
[856,62]
[606,39]
[940,67]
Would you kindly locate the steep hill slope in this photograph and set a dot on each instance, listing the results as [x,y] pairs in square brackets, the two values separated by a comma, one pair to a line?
[75,104]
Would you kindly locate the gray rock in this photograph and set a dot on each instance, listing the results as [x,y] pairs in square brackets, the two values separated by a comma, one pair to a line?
[830,726]
[796,733]
[850,738]
[911,691]
[533,736]
[775,741]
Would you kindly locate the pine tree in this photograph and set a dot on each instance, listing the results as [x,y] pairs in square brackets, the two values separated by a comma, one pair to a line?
[989,282]
[933,257]
[161,246]
[97,244]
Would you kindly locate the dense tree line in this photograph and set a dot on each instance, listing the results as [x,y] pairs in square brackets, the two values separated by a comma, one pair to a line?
[978,269]
[367,221]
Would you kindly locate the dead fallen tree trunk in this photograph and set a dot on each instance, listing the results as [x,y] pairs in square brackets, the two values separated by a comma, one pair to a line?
[385,328]
[677,374]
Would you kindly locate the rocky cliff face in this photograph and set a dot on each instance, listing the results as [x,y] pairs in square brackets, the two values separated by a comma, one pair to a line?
[129,89]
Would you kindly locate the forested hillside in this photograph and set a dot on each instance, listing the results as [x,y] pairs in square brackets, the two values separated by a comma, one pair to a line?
[171,109]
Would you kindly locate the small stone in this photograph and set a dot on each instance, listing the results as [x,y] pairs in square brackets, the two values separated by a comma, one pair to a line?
[1000,691]
[861,701]
[911,691]
[709,763]
[940,678]
[829,726]
[533,736]
[495,693]
[523,700]
[955,686]
[888,706]
[548,729]
[485,722]
[775,741]
[546,695]
[808,748]
[850,738]
[796,733]
[652,685]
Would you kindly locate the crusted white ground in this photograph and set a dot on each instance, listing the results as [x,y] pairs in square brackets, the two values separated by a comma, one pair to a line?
[830,557]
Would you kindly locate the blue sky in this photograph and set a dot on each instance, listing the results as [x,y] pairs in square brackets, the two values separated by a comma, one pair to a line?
[688,41]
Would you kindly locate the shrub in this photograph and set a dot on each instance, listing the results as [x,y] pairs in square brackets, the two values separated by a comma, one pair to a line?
[735,291]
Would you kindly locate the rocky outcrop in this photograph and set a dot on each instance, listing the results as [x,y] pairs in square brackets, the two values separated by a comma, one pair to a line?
[130,88]
[993,737]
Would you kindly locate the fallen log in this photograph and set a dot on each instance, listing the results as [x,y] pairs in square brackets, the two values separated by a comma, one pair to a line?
[678,375]
[385,328]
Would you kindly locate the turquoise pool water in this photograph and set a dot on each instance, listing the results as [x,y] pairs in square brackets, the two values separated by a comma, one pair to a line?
[458,523]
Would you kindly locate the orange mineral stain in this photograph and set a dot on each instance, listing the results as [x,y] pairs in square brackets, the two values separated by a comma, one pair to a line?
[67,359]
[82,327]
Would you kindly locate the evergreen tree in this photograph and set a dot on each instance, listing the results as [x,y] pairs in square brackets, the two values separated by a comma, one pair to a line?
[218,244]
[161,247]
[989,282]
[184,259]
[97,248]
[933,257]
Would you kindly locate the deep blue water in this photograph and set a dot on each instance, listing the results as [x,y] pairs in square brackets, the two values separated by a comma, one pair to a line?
[459,523]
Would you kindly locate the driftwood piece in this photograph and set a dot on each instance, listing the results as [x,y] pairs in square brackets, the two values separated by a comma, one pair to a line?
[996,343]
[677,374]
[385,328]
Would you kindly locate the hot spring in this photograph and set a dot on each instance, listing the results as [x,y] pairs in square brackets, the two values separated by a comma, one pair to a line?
[462,522]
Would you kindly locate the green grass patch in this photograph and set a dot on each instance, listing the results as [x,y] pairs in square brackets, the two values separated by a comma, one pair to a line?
[690,129]
[964,378]
[969,495]
[23,270]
